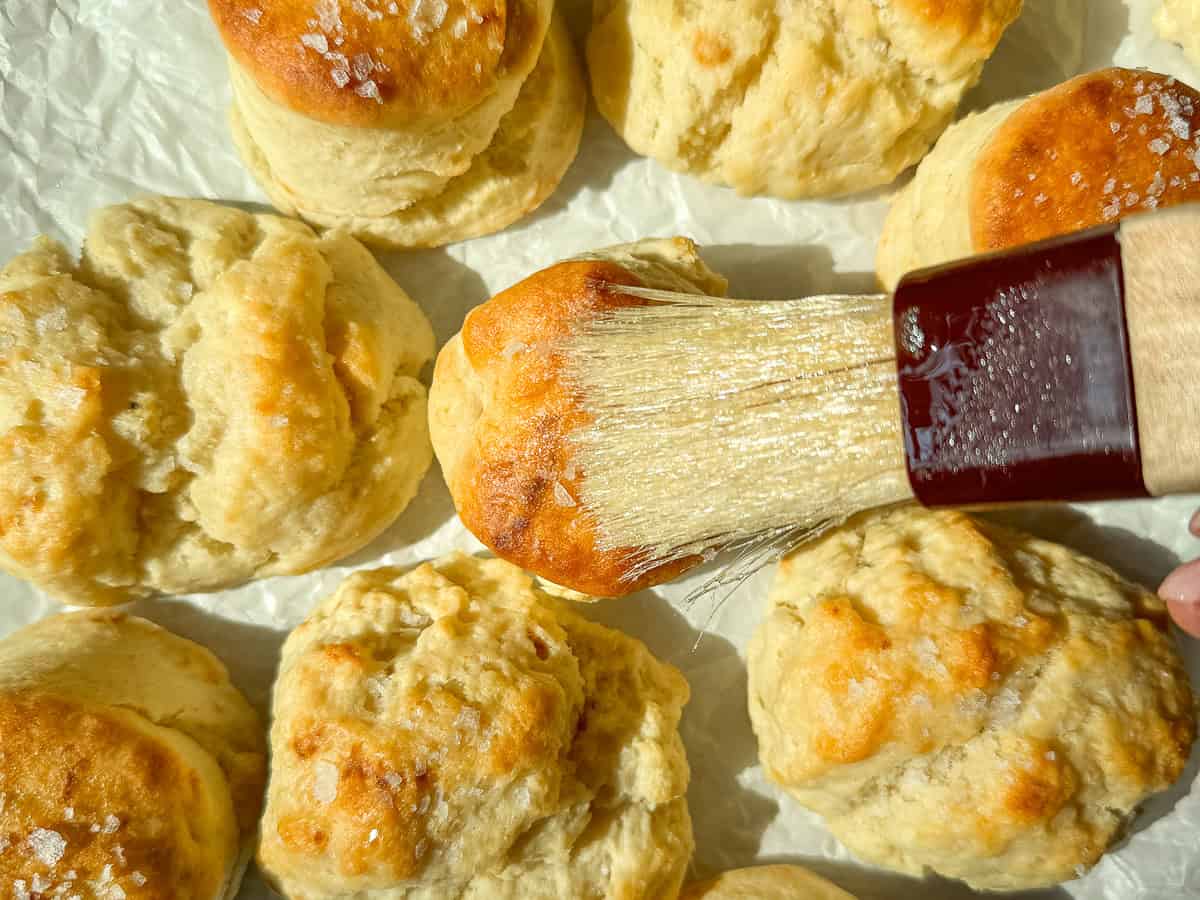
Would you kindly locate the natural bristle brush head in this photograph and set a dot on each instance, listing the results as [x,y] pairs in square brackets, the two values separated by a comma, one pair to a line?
[727,422]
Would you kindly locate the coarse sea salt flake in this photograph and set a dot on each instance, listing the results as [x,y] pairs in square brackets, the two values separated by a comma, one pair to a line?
[1076,178]
[254,15]
[468,719]
[56,320]
[425,16]
[562,496]
[111,824]
[316,42]
[48,846]
[329,15]
[138,878]
[325,782]
[373,836]
[1144,105]
[459,28]
[40,884]
[373,15]
[340,77]
[1159,146]
[362,66]
[1110,185]
[1114,127]
[369,90]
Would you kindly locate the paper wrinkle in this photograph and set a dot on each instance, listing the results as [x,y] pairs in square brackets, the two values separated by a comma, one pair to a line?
[104,100]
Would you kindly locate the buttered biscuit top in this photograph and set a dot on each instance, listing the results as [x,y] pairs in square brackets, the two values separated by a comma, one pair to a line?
[381,63]
[404,122]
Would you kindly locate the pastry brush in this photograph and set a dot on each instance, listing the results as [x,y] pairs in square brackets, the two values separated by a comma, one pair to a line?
[1067,370]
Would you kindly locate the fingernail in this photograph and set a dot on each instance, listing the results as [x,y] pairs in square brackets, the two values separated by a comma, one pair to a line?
[1182,585]
[1194,524]
[1181,590]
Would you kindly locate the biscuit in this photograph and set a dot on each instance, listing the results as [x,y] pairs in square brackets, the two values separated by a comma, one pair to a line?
[1178,21]
[414,123]
[794,100]
[765,883]
[453,732]
[1086,152]
[129,764]
[957,697]
[208,396]
[501,414]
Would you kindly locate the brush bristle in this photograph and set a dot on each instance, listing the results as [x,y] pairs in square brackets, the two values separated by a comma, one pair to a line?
[718,423]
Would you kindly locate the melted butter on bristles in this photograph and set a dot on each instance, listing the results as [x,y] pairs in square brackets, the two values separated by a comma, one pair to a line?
[734,424]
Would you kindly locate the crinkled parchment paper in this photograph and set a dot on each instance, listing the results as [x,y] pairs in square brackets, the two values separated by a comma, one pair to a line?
[102,99]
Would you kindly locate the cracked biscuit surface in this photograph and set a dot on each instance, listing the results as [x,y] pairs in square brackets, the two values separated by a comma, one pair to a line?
[451,731]
[957,697]
[792,99]
[207,396]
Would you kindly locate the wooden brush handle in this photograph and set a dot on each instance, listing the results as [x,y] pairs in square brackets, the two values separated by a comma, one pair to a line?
[1017,371]
[1161,258]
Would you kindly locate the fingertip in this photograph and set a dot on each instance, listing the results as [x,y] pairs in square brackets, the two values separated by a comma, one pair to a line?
[1181,591]
[1194,523]
[1186,616]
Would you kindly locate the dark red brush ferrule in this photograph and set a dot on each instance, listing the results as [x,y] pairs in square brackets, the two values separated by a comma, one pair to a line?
[1015,377]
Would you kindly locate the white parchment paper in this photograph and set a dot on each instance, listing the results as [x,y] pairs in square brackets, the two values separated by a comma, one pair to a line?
[103,99]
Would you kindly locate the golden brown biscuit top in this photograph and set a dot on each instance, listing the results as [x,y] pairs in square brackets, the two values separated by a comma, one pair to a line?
[1090,151]
[517,487]
[376,63]
[93,803]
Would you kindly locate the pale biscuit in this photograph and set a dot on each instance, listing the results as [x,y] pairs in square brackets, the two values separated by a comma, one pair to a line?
[800,99]
[428,123]
[129,765]
[1179,21]
[765,883]
[501,413]
[1089,151]
[453,732]
[206,397]
[956,697]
